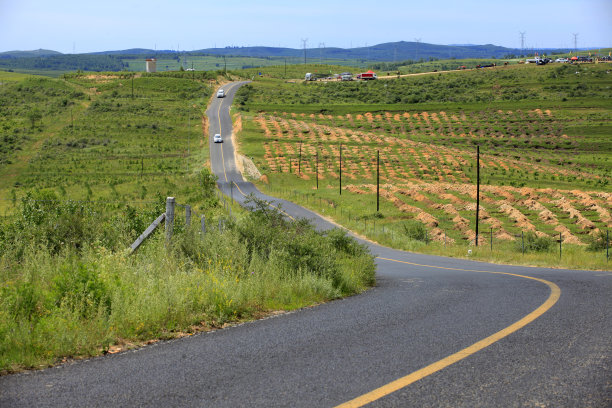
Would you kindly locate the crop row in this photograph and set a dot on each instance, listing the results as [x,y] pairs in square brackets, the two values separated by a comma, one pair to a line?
[448,210]
[400,158]
[498,124]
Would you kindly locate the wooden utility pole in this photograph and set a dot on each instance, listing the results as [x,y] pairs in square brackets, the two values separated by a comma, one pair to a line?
[477,189]
[340,168]
[317,170]
[300,161]
[377,180]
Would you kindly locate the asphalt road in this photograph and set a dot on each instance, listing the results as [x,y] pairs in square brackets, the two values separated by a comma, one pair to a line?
[487,335]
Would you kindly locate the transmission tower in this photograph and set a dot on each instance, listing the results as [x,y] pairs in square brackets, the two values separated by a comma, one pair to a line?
[321,48]
[575,41]
[304,41]
[522,33]
[416,51]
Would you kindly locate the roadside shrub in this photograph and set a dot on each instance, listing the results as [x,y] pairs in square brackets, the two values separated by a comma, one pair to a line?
[415,230]
[599,242]
[534,243]
[79,287]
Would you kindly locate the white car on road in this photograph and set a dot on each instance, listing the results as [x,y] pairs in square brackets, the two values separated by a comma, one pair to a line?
[217,138]
[220,93]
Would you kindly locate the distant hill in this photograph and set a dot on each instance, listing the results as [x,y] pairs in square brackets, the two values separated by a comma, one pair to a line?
[393,51]
[25,54]
[401,50]
[133,51]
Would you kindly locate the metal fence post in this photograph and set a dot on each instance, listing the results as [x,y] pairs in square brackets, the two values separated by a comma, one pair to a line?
[522,243]
[187,215]
[203,224]
[170,202]
[491,238]
[607,244]
[560,240]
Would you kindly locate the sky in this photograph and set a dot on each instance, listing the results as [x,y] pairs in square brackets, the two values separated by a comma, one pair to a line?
[87,26]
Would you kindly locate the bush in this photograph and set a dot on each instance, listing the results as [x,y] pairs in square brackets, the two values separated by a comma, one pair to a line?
[599,242]
[415,230]
[534,243]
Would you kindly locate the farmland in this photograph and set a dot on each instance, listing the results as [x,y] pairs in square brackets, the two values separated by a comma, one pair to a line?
[545,164]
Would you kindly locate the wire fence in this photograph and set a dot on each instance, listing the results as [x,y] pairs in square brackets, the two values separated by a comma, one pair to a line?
[374,226]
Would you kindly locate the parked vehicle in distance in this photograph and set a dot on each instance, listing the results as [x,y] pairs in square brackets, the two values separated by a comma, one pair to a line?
[367,76]
[346,76]
[217,138]
[310,77]
[561,60]
[220,93]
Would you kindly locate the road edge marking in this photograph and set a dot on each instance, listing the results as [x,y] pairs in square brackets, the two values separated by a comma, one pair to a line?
[555,293]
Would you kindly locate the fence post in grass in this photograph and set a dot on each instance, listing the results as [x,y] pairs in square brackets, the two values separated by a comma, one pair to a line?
[607,244]
[522,243]
[203,224]
[560,240]
[232,191]
[491,239]
[187,215]
[426,236]
[170,202]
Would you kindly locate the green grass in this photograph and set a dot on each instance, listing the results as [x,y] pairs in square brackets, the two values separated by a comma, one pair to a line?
[68,288]
[97,142]
[84,169]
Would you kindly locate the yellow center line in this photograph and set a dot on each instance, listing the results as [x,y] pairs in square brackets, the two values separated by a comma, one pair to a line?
[555,293]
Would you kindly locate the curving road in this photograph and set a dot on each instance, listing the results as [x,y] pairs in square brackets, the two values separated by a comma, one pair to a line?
[433,332]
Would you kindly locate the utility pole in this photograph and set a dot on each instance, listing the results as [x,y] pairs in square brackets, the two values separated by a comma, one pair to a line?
[317,170]
[300,161]
[416,50]
[321,47]
[522,33]
[377,180]
[340,168]
[188,130]
[477,189]
[304,41]
[575,42]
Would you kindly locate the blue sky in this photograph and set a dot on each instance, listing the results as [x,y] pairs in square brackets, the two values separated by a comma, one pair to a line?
[87,26]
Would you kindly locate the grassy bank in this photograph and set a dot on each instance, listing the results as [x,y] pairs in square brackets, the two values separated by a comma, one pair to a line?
[69,288]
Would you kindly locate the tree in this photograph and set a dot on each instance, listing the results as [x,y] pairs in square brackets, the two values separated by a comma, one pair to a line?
[34,115]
